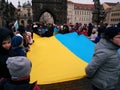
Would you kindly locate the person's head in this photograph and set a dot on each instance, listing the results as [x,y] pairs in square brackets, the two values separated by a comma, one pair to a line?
[17,41]
[113,34]
[19,67]
[5,39]
[94,31]
[21,29]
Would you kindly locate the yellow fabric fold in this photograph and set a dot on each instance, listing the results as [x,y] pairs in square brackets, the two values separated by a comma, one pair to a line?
[52,62]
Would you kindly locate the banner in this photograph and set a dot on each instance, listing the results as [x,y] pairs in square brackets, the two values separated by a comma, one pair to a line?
[16,25]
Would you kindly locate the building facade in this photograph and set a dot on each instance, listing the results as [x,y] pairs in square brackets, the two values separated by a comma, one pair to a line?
[112,13]
[47,18]
[76,13]
[25,15]
[7,12]
[79,13]
[70,13]
[57,8]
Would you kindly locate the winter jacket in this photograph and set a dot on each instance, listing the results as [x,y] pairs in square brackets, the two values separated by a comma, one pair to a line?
[104,69]
[4,54]
[19,51]
[8,84]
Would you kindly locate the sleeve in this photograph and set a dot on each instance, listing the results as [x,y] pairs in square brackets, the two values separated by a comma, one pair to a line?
[99,58]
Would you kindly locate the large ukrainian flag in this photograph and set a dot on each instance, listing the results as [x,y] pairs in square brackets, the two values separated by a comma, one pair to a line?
[60,58]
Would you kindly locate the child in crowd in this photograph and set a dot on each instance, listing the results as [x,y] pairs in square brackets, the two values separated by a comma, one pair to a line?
[17,46]
[29,38]
[93,35]
[19,68]
[21,30]
[5,52]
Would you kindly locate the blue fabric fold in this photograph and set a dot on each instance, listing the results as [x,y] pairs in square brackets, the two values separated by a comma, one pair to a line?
[80,45]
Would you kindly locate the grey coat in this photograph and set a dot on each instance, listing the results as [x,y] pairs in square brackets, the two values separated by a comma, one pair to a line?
[104,69]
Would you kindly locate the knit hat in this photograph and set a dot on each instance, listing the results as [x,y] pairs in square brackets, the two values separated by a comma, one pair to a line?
[16,41]
[110,32]
[19,67]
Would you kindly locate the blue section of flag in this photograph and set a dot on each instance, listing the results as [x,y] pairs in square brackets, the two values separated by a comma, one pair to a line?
[43,30]
[80,45]
[55,30]
[16,25]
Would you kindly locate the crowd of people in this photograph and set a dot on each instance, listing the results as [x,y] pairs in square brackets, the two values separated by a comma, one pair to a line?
[15,67]
[91,31]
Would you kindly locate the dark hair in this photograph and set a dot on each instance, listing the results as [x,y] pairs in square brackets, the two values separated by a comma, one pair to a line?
[4,34]
[110,32]
[21,29]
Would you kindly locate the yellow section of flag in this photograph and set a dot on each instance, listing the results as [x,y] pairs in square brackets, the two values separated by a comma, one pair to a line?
[52,62]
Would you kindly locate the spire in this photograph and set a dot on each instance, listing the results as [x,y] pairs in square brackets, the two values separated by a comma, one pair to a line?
[19,4]
[28,3]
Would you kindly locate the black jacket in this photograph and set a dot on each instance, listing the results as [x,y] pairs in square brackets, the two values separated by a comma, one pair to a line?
[4,54]
[8,84]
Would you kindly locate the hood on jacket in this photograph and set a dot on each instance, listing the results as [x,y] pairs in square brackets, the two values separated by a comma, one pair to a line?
[5,34]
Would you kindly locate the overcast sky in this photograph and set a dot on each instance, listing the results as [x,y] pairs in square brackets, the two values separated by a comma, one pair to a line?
[91,1]
[15,2]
